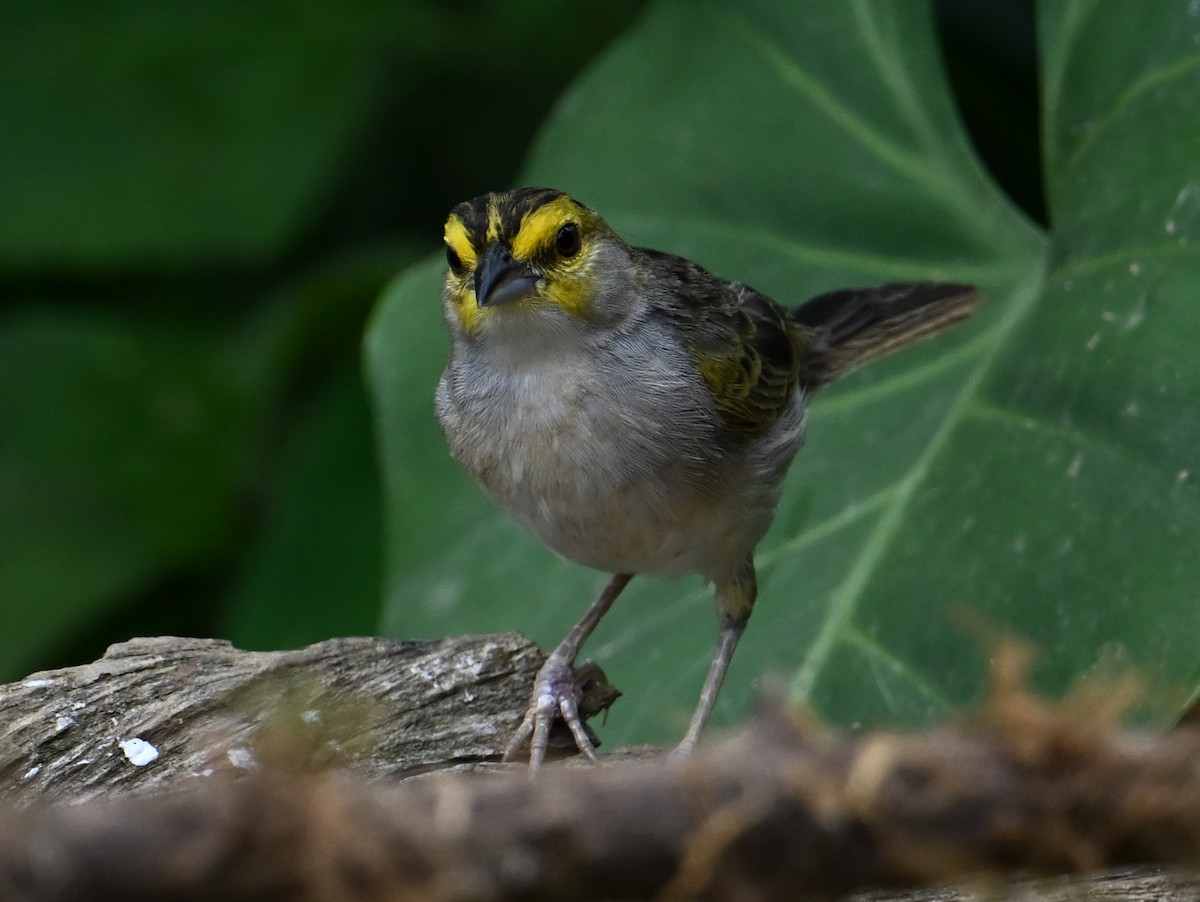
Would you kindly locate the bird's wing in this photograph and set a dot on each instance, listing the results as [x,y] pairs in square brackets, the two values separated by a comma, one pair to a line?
[744,345]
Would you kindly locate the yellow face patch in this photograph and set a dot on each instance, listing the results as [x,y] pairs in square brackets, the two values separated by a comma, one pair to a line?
[566,279]
[458,287]
[459,241]
[462,302]
[539,228]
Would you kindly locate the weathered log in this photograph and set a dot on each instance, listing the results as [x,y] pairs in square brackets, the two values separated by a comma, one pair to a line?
[780,810]
[154,712]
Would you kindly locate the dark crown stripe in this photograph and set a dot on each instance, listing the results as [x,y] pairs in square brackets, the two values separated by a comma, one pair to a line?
[474,216]
[519,204]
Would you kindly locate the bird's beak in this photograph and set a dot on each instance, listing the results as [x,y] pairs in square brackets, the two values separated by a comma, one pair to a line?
[499,278]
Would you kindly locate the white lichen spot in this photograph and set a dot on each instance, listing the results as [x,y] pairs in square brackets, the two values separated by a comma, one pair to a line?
[1066,545]
[1108,316]
[78,706]
[312,715]
[1075,465]
[242,758]
[62,722]
[138,751]
[1137,316]
[422,672]
[32,772]
[1019,544]
[1132,409]
[1182,475]
[1093,341]
[1135,269]
[1187,204]
[37,684]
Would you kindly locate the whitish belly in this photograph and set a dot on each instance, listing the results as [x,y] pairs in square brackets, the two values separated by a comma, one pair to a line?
[614,487]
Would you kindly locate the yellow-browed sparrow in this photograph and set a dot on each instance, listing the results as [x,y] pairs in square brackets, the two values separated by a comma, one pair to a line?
[635,412]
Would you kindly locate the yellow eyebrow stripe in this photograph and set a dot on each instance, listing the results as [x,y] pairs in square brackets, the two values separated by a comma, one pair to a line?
[459,240]
[539,227]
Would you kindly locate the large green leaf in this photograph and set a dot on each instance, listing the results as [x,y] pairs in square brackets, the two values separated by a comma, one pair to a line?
[1029,470]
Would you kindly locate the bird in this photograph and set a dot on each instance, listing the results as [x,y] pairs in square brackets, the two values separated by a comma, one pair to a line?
[635,412]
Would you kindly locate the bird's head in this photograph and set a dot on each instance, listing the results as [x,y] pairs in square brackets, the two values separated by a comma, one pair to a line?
[527,259]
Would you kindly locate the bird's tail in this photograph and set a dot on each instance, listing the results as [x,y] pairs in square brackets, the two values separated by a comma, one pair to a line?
[851,327]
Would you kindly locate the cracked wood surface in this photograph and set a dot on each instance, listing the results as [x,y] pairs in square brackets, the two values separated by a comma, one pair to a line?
[154,712]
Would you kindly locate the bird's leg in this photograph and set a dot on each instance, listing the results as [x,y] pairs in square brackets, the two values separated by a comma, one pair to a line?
[555,689]
[735,600]
[731,631]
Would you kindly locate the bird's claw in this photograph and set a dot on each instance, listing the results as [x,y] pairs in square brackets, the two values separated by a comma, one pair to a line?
[557,690]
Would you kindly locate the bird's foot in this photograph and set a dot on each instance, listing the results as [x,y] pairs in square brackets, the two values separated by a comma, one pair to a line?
[561,692]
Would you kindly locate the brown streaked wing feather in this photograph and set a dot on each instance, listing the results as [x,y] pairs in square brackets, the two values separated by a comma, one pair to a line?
[745,346]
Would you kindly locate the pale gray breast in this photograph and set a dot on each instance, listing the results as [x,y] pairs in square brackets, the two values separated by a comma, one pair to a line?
[615,459]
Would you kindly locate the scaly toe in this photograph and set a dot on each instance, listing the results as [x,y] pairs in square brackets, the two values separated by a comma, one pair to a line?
[556,694]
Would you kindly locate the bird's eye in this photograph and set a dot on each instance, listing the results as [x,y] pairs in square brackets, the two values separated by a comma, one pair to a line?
[568,241]
[456,264]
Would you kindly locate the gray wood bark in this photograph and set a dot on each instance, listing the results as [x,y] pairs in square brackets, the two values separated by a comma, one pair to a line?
[200,707]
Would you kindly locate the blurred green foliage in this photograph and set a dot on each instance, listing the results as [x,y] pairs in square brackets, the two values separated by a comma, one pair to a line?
[199,204]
